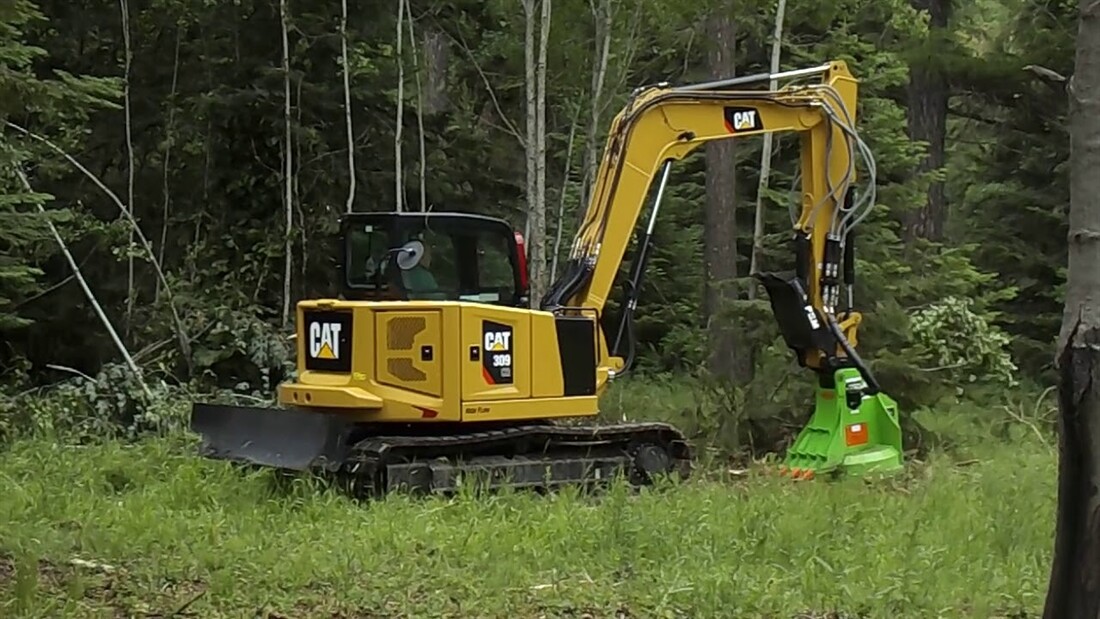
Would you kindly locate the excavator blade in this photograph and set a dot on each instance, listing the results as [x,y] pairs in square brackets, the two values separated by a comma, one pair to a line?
[288,439]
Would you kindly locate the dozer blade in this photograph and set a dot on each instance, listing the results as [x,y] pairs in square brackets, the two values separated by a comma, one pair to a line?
[281,438]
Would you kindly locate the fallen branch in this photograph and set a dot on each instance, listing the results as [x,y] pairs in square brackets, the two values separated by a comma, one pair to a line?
[181,333]
[87,291]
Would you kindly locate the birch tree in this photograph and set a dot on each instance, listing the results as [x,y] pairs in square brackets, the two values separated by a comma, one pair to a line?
[419,111]
[131,293]
[347,103]
[765,156]
[1074,589]
[601,17]
[398,166]
[537,216]
[531,110]
[288,180]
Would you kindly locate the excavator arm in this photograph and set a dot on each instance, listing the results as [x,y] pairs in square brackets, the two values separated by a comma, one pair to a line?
[662,124]
[854,426]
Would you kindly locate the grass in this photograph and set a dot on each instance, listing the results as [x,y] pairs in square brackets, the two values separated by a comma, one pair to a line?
[161,532]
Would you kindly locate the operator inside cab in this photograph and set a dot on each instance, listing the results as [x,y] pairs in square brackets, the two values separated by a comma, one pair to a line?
[417,279]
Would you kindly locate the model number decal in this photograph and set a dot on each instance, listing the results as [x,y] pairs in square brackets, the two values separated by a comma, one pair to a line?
[496,341]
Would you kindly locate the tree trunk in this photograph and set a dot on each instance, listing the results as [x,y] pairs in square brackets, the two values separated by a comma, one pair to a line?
[531,111]
[419,111]
[1074,589]
[601,17]
[927,116]
[720,235]
[398,182]
[437,60]
[348,125]
[536,243]
[288,169]
[131,289]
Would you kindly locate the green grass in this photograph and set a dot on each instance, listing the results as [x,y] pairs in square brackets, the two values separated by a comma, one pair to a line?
[950,539]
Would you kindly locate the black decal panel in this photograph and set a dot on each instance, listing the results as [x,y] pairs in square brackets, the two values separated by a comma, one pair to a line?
[497,361]
[328,337]
[577,350]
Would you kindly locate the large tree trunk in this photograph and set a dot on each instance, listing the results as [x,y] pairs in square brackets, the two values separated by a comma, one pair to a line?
[720,235]
[1075,574]
[927,114]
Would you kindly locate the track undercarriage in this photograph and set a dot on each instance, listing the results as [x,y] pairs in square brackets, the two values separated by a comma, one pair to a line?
[377,459]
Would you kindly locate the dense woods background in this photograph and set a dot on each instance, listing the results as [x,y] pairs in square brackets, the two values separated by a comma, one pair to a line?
[235,133]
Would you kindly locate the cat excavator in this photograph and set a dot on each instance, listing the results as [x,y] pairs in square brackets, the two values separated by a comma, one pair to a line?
[430,367]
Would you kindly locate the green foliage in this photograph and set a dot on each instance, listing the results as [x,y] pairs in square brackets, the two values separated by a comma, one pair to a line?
[963,344]
[111,404]
[54,104]
[207,98]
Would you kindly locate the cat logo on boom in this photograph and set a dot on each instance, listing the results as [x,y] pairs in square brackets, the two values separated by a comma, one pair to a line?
[740,119]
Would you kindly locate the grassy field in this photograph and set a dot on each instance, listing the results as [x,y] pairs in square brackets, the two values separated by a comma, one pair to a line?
[120,531]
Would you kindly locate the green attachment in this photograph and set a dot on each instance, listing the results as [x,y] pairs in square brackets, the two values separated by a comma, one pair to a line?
[851,432]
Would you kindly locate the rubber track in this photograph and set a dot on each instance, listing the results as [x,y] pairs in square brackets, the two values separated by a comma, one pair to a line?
[370,456]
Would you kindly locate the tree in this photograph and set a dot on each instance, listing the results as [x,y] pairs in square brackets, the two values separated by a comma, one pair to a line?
[720,237]
[1074,589]
[927,119]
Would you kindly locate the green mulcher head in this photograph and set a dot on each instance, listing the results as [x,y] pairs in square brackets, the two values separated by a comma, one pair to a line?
[854,430]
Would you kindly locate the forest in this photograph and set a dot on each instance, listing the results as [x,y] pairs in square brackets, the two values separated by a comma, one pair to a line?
[174,176]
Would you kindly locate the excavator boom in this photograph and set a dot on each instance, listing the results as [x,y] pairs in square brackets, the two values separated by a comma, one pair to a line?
[662,124]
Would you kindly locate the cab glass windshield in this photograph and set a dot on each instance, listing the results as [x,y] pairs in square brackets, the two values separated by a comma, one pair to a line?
[437,258]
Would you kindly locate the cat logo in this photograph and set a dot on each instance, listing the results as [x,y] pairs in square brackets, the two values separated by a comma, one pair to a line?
[498,341]
[740,119]
[324,340]
[327,341]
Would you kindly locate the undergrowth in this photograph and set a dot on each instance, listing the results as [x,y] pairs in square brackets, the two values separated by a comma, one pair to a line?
[126,529]
[131,523]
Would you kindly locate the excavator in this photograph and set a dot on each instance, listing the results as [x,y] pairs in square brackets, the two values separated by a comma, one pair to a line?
[431,368]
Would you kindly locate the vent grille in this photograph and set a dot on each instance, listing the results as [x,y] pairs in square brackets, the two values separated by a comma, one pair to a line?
[402,368]
[402,331]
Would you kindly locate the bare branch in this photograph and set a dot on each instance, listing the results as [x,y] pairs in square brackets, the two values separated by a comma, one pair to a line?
[765,158]
[561,198]
[347,103]
[169,141]
[511,127]
[87,291]
[181,333]
[131,294]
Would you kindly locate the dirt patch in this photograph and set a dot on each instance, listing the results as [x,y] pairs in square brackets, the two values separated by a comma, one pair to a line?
[102,586]
[7,571]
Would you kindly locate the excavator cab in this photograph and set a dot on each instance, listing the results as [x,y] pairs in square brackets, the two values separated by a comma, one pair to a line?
[451,256]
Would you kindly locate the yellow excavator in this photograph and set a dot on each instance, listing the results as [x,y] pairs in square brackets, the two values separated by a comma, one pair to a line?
[432,367]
